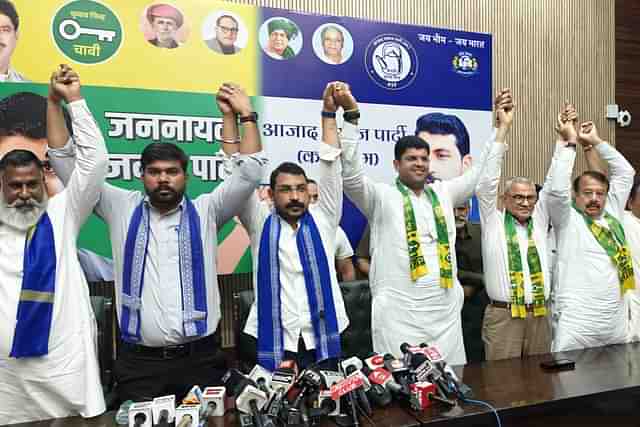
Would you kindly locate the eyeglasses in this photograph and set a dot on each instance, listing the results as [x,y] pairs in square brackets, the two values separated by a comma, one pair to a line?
[519,198]
[228,30]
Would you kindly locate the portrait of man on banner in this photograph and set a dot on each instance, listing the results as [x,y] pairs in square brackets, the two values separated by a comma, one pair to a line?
[332,44]
[165,26]
[9,23]
[224,33]
[280,38]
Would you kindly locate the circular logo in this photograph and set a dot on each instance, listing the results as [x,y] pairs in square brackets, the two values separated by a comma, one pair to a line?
[465,63]
[87,32]
[391,61]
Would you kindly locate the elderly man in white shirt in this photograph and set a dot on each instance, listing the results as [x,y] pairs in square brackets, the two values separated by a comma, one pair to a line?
[416,294]
[164,251]
[298,312]
[515,252]
[48,361]
[594,264]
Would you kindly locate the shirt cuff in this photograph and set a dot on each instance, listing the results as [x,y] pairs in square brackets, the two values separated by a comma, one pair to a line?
[79,109]
[329,153]
[349,131]
[252,166]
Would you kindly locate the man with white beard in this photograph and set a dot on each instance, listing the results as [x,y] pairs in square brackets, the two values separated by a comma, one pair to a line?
[48,363]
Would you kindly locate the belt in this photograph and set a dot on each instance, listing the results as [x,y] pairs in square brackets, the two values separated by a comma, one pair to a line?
[207,344]
[507,305]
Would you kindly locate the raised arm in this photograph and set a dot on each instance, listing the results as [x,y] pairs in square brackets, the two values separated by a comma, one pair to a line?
[487,188]
[230,196]
[461,188]
[86,180]
[555,197]
[621,172]
[62,154]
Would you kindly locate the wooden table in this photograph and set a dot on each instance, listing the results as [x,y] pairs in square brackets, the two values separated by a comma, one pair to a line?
[604,389]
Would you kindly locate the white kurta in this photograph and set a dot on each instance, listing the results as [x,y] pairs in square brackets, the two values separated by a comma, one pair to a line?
[589,308]
[295,312]
[494,241]
[161,307]
[631,224]
[66,381]
[403,310]
[343,247]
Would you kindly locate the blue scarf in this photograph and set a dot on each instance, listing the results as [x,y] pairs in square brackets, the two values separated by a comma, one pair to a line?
[317,279]
[192,279]
[35,308]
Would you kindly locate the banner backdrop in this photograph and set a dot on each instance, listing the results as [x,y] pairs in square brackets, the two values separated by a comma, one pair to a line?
[150,71]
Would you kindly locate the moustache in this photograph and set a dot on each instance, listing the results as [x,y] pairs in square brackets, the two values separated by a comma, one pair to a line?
[20,204]
[160,189]
[294,205]
[593,205]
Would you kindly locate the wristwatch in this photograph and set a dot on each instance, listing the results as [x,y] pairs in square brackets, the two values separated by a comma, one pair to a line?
[351,115]
[251,117]
[328,114]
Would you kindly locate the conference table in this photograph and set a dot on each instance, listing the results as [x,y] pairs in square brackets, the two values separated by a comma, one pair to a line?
[603,389]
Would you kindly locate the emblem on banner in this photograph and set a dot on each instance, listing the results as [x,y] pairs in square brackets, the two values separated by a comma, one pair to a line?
[391,61]
[465,63]
[86,31]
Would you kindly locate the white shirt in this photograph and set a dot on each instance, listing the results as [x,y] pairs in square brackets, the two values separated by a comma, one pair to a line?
[295,313]
[404,310]
[66,381]
[588,301]
[631,224]
[343,247]
[161,308]
[494,241]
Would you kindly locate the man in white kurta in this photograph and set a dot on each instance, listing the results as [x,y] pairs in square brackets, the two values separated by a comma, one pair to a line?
[504,335]
[65,381]
[295,308]
[589,301]
[631,223]
[404,310]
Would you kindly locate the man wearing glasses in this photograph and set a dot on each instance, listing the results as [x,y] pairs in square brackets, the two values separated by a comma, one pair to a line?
[226,36]
[514,251]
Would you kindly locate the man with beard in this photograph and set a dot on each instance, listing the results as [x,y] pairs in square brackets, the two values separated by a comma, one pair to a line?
[298,312]
[414,284]
[594,264]
[515,251]
[164,253]
[48,361]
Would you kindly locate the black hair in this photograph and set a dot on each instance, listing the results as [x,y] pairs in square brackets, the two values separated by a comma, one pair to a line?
[407,142]
[226,16]
[311,181]
[19,158]
[7,8]
[163,151]
[286,167]
[445,124]
[598,176]
[25,114]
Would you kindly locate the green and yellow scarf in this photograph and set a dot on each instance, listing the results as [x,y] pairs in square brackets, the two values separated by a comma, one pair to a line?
[614,242]
[417,264]
[516,275]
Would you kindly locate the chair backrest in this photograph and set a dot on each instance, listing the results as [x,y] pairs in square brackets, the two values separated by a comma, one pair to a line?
[103,309]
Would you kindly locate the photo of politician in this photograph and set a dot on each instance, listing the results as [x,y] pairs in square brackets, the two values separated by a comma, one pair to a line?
[280,38]
[449,144]
[332,43]
[164,26]
[224,32]
[9,24]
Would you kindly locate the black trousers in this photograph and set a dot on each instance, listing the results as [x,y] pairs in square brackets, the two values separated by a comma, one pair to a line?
[303,357]
[143,373]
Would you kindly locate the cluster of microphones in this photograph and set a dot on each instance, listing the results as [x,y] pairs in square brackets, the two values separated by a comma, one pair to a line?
[288,397]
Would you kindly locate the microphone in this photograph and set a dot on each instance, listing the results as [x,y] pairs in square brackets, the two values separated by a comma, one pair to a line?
[185,421]
[374,361]
[405,348]
[139,419]
[360,392]
[379,395]
[384,378]
[262,378]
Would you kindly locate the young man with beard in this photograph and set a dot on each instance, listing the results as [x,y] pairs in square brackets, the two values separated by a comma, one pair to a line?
[164,253]
[594,264]
[48,362]
[299,312]
[414,284]
[515,249]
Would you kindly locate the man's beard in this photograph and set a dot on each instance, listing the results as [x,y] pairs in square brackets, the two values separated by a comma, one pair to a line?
[22,218]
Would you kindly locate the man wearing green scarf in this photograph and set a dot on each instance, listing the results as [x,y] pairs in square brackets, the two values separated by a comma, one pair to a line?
[594,262]
[281,32]
[514,251]
[416,295]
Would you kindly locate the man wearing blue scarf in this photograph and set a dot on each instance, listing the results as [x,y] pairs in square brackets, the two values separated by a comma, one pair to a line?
[48,362]
[299,313]
[164,251]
